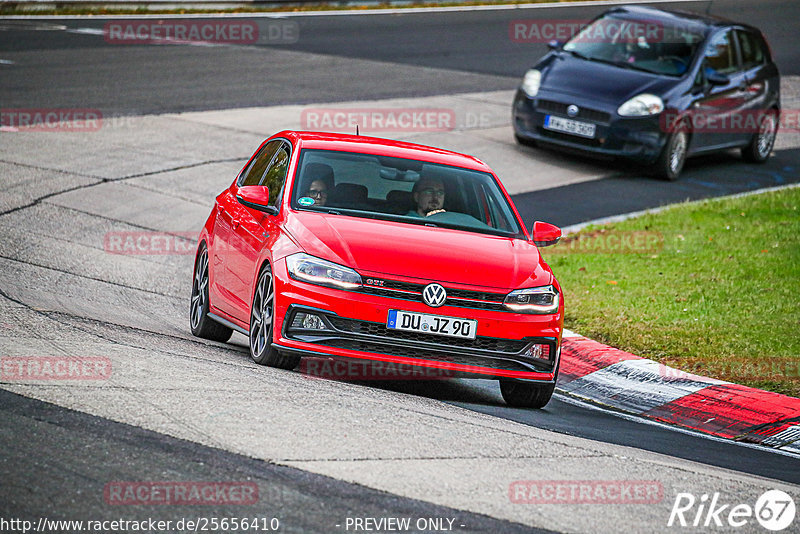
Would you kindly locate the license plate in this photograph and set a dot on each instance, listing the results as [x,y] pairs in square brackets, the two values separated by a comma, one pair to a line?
[432,324]
[583,129]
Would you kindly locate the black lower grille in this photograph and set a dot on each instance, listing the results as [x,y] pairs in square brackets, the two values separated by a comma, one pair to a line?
[366,336]
[508,346]
[593,115]
[575,139]
[427,354]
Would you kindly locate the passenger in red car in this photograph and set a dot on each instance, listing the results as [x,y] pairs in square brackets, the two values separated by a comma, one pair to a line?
[319,192]
[321,181]
[428,196]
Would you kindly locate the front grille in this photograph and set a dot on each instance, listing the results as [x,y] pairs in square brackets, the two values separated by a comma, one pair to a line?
[427,354]
[509,346]
[461,298]
[366,336]
[593,115]
[476,295]
[574,139]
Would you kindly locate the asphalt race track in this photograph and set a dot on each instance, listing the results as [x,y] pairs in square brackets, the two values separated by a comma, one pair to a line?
[182,120]
[365,57]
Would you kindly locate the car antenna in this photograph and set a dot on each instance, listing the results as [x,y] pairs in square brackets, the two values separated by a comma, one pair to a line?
[356,129]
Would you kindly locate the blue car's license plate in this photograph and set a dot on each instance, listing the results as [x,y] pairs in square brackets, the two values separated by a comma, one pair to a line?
[559,124]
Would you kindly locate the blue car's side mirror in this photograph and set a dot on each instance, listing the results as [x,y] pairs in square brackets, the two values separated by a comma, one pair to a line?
[715,78]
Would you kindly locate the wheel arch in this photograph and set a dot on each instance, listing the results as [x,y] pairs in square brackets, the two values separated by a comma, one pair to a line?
[265,261]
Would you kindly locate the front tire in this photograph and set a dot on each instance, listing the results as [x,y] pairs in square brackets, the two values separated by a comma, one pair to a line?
[202,325]
[670,163]
[526,395]
[262,325]
[761,145]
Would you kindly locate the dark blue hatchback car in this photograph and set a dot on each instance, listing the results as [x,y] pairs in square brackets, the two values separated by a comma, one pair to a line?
[656,87]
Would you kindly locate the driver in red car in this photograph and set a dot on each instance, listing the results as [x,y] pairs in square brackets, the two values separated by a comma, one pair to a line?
[428,195]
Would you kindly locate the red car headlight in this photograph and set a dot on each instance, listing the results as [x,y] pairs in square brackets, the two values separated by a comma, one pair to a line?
[538,300]
[321,272]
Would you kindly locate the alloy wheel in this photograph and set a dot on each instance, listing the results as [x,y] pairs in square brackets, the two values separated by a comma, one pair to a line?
[766,136]
[261,315]
[199,289]
[678,153]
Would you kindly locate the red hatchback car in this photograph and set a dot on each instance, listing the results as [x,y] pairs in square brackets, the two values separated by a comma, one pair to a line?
[342,246]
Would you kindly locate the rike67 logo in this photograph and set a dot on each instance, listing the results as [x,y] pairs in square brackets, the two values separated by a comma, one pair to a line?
[774,510]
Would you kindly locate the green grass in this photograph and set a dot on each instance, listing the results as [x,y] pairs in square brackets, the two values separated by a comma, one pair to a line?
[721,297]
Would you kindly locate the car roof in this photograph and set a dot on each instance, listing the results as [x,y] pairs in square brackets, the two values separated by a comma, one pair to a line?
[678,16]
[382,147]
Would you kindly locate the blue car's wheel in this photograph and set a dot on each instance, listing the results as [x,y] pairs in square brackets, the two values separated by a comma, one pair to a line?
[670,163]
[761,145]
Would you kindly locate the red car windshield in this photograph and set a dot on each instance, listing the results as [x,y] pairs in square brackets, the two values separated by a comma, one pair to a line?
[417,192]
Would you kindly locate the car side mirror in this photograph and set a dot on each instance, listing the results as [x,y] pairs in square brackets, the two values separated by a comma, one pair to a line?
[715,78]
[545,234]
[256,197]
[554,44]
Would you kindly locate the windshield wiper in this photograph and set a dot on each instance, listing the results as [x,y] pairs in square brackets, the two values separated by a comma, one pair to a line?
[622,65]
[596,59]
[634,66]
[581,56]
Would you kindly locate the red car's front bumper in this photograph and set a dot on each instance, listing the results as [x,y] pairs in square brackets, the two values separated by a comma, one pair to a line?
[355,327]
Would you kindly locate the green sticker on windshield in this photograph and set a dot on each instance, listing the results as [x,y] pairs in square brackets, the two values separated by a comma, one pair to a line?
[305,201]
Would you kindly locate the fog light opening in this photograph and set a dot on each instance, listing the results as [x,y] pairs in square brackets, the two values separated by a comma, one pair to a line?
[309,321]
[538,352]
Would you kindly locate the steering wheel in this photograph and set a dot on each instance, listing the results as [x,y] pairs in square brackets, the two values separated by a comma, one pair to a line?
[681,61]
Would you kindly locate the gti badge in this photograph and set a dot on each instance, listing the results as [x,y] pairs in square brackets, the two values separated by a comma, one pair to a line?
[434,295]
[573,110]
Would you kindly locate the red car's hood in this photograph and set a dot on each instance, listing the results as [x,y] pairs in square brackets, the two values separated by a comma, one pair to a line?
[408,250]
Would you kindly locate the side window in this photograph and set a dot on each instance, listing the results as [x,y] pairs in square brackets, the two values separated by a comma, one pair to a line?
[752,49]
[720,53]
[275,176]
[252,175]
[700,79]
